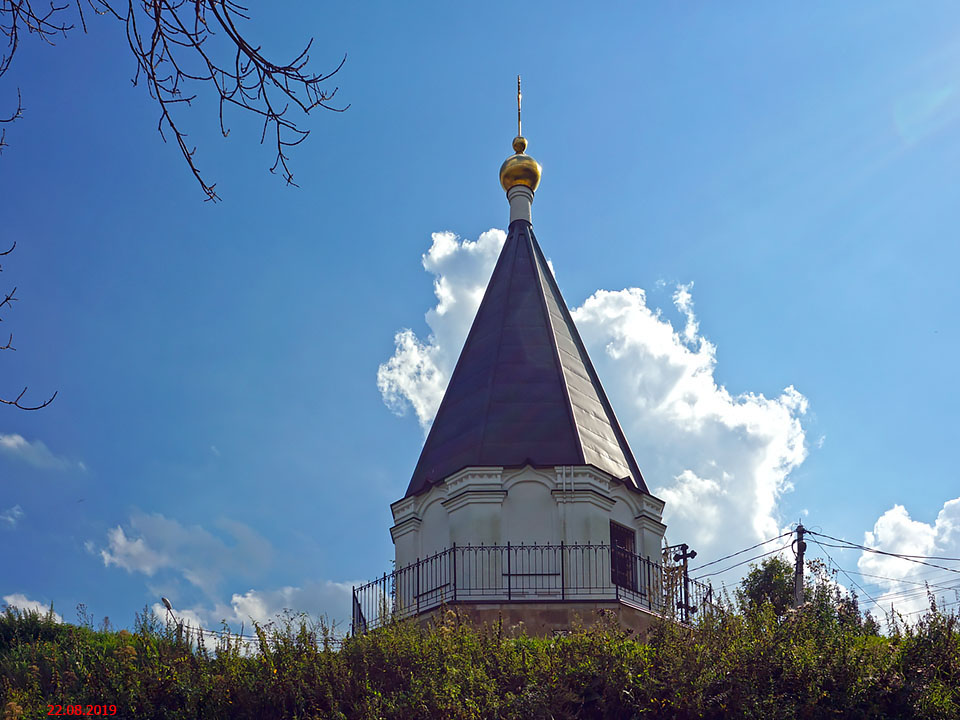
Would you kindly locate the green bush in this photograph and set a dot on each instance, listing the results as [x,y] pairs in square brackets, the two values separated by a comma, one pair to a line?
[753,659]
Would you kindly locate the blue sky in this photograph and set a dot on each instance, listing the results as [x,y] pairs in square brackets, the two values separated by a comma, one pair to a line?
[219,434]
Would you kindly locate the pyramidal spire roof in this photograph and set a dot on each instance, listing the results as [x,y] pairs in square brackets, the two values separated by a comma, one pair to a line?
[524,390]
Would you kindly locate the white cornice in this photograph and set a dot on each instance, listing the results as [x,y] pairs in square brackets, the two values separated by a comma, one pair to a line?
[409,525]
[403,508]
[474,497]
[648,523]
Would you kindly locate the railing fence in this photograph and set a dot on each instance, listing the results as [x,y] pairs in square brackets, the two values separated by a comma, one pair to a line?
[479,574]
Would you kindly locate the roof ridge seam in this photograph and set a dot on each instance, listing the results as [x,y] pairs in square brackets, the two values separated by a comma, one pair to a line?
[450,381]
[594,378]
[496,359]
[536,255]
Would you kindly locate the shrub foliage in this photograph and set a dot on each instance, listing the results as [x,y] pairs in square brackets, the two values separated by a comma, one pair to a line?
[755,659]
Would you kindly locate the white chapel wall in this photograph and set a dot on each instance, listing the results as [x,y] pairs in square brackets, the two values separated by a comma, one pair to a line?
[490,506]
[530,512]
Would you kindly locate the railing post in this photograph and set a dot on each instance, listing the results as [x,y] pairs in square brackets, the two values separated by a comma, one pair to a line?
[685,555]
[353,613]
[453,580]
[383,591]
[563,577]
[418,585]
[509,574]
[647,589]
[616,583]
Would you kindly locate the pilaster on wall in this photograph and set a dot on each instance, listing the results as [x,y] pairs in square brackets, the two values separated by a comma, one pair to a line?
[650,524]
[486,505]
[405,531]
[464,509]
[585,498]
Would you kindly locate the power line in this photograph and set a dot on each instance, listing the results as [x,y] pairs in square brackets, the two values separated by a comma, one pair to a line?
[739,552]
[845,572]
[918,579]
[884,552]
[909,558]
[743,562]
[893,589]
[907,595]
[902,595]
[939,607]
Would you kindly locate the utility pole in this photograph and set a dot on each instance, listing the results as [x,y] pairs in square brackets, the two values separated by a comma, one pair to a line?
[801,546]
[684,556]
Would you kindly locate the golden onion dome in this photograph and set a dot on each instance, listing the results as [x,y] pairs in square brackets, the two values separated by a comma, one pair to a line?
[520,168]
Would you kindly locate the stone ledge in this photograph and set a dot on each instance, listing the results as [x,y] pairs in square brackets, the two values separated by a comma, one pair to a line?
[545,619]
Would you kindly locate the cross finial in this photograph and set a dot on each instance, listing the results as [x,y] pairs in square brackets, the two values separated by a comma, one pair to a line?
[519,98]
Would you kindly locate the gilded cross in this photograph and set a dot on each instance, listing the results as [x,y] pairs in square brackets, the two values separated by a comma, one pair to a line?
[519,98]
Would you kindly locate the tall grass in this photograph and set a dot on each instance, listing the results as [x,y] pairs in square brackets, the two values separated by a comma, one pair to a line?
[824,660]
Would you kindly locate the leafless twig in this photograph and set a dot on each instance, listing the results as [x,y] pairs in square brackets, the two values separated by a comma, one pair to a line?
[180,44]
[7,302]
[17,402]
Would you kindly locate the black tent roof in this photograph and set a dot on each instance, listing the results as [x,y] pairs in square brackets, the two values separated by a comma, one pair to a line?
[524,390]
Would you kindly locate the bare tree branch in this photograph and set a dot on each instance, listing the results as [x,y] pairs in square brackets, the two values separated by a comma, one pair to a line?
[180,44]
[19,404]
[7,302]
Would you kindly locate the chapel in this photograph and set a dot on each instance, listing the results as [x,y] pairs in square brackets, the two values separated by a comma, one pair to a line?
[527,504]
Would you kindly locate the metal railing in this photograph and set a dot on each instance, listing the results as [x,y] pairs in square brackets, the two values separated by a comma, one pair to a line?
[477,574]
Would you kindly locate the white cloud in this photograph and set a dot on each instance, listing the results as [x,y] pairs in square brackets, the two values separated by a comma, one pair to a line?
[903,582]
[25,604]
[170,553]
[412,378]
[154,543]
[683,299]
[35,453]
[9,518]
[722,461]
[187,616]
[417,373]
[329,599]
[318,598]
[131,555]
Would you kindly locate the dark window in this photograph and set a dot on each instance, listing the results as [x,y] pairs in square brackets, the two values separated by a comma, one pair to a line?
[623,558]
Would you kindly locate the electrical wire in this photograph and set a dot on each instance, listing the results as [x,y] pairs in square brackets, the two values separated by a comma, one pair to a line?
[739,552]
[917,579]
[888,597]
[884,552]
[939,607]
[903,595]
[742,562]
[907,593]
[844,572]
[909,558]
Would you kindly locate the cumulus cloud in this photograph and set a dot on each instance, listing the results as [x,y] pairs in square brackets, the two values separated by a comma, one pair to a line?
[904,583]
[153,543]
[181,559]
[10,518]
[319,598]
[417,373]
[329,599]
[25,604]
[721,460]
[35,453]
[131,555]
